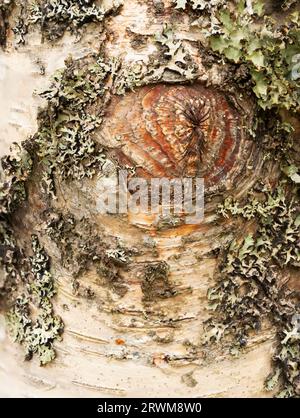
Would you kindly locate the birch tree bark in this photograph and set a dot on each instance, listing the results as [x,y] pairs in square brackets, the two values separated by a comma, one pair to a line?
[143,89]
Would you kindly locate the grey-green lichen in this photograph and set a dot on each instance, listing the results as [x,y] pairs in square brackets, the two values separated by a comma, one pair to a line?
[173,60]
[266,50]
[287,4]
[36,334]
[52,18]
[249,288]
[83,248]
[264,59]
[55,17]
[63,149]
[274,136]
[21,271]
[6,7]
[16,169]
[279,224]
[170,63]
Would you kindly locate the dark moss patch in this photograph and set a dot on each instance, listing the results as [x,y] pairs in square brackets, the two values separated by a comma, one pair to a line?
[250,289]
[6,7]
[82,248]
[137,41]
[155,282]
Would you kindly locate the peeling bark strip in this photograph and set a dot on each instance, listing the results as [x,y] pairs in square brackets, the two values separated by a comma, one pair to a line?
[161,89]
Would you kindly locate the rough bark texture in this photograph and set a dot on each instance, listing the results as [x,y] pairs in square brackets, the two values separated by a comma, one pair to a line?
[132,290]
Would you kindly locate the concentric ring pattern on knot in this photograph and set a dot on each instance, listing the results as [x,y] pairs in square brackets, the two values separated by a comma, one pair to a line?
[181,131]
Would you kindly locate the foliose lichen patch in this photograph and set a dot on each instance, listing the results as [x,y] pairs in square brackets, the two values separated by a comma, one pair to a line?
[262,57]
[82,248]
[52,18]
[37,335]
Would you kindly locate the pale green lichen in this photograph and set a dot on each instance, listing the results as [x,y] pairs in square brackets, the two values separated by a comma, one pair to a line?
[292,172]
[286,374]
[37,335]
[279,220]
[13,264]
[269,50]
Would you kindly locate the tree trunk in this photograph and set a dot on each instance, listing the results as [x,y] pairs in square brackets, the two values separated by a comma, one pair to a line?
[131,289]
